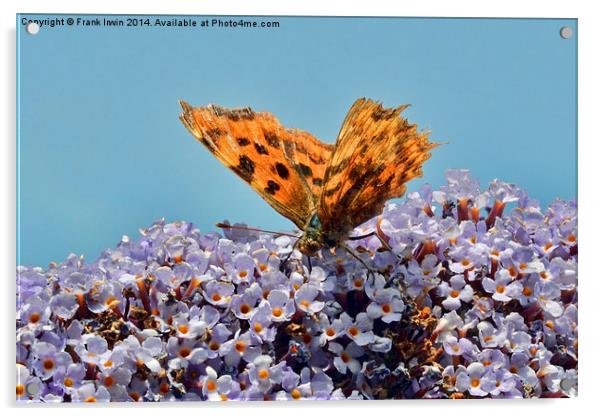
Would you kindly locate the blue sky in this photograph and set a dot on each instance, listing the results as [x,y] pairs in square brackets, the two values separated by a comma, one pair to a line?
[102,152]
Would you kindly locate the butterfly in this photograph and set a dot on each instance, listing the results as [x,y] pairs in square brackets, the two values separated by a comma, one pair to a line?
[325,190]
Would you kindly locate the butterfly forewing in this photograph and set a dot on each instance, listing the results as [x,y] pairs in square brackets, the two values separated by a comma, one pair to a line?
[275,161]
[377,152]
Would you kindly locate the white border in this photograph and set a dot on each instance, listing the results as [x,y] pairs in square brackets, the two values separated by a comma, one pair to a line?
[590,201]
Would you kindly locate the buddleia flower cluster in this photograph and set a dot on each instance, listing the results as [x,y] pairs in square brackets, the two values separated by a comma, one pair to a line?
[454,293]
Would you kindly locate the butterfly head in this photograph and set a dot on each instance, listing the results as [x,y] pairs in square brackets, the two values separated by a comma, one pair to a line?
[314,238]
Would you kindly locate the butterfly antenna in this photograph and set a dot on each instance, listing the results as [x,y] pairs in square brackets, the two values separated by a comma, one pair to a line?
[242,227]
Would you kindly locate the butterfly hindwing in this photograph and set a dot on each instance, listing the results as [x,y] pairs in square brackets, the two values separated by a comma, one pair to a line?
[311,158]
[262,152]
[377,152]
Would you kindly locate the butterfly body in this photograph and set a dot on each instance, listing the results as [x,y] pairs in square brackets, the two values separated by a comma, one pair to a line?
[326,190]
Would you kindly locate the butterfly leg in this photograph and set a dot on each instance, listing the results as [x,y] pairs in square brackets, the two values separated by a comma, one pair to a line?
[349,250]
[382,240]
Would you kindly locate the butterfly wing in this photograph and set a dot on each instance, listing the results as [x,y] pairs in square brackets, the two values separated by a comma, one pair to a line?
[377,152]
[310,157]
[254,145]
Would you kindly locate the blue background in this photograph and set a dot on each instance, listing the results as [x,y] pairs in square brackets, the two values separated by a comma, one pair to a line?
[102,152]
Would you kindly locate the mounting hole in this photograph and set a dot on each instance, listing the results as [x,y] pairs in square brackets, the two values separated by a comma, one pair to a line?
[32,28]
[566,32]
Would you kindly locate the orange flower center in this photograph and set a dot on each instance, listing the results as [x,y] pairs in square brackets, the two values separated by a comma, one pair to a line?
[353,331]
[263,267]
[305,303]
[386,308]
[500,288]
[330,332]
[211,386]
[527,291]
[465,262]
[164,388]
[111,301]
[68,382]
[358,283]
[277,312]
[475,382]
[183,329]
[454,293]
[263,373]
[185,352]
[213,346]
[571,238]
[20,390]
[240,346]
[216,297]
[257,327]
[242,274]
[345,357]
[34,318]
[296,394]
[108,381]
[48,364]
[245,309]
[90,399]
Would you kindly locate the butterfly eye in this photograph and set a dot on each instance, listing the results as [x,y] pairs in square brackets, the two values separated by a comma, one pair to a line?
[314,222]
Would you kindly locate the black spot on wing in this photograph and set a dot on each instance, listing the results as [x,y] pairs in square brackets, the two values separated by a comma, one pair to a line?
[260,148]
[245,168]
[272,139]
[381,113]
[272,187]
[243,141]
[282,170]
[215,133]
[305,170]
[317,181]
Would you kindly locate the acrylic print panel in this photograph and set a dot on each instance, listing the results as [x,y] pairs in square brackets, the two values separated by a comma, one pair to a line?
[365,250]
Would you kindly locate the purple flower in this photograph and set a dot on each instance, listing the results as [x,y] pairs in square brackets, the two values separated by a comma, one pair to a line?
[306,301]
[473,380]
[455,292]
[503,287]
[453,346]
[345,358]
[281,305]
[360,330]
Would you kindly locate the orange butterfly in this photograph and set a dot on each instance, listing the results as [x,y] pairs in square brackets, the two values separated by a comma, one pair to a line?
[326,190]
